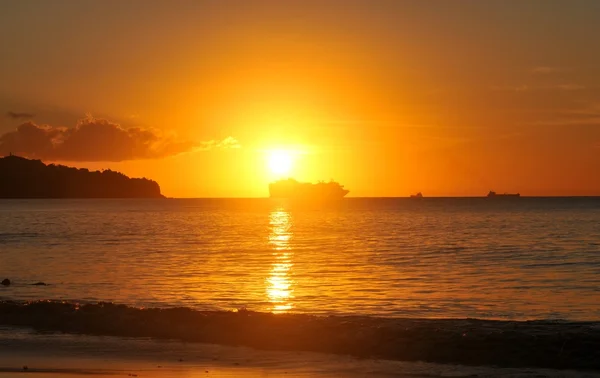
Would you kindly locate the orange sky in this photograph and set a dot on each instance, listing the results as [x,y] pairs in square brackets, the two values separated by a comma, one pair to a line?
[386,97]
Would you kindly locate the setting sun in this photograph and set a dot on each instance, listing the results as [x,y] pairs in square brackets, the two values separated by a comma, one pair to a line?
[280,162]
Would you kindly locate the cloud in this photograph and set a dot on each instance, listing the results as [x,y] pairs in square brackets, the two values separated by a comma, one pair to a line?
[524,88]
[98,140]
[568,87]
[16,115]
[510,88]
[591,121]
[588,115]
[229,142]
[545,70]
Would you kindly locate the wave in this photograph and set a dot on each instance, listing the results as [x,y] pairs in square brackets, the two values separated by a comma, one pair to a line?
[539,343]
[8,237]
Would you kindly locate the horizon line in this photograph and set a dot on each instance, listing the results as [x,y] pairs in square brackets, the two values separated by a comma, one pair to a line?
[401,197]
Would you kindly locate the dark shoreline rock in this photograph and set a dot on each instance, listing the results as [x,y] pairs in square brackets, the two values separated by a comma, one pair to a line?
[5,282]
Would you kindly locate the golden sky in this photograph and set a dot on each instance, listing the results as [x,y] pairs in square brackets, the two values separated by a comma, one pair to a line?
[386,97]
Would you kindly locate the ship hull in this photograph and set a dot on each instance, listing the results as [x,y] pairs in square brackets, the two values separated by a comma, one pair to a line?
[291,189]
[307,196]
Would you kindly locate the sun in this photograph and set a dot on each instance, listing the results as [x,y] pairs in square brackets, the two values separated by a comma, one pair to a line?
[280,162]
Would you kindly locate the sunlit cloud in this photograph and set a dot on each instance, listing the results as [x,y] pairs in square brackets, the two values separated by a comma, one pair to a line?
[95,139]
[229,142]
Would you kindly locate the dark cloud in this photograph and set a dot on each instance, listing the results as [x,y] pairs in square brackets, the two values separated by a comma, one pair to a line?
[96,140]
[16,115]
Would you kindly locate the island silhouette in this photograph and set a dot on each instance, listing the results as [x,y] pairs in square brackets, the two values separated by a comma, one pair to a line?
[25,178]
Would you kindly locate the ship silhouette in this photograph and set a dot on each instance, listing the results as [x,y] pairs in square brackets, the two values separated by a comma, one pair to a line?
[418,195]
[493,194]
[293,189]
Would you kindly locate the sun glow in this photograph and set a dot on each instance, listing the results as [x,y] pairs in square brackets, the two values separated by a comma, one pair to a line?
[280,162]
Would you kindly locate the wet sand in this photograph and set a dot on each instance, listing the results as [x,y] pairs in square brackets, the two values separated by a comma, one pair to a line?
[66,355]
[250,365]
[56,355]
[290,366]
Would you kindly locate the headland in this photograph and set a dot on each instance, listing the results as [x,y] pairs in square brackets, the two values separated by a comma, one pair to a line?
[25,178]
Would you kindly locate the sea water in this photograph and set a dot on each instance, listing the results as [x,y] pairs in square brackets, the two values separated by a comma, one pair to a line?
[491,259]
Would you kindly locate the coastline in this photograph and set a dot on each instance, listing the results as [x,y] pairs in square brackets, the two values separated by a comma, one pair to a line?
[472,342]
[170,264]
[56,355]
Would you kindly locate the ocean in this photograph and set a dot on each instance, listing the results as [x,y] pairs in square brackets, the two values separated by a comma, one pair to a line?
[461,266]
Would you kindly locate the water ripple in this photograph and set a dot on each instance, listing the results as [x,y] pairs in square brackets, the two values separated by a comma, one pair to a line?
[534,259]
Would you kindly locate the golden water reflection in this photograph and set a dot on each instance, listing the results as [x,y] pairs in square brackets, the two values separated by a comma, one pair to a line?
[280,290]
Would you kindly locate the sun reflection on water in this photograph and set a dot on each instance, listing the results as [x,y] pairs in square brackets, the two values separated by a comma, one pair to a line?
[279,283]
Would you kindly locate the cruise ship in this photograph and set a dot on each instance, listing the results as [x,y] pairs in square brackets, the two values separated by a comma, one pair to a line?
[290,188]
[493,194]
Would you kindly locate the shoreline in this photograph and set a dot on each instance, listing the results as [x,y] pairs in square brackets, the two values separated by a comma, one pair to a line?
[63,355]
[264,198]
[542,344]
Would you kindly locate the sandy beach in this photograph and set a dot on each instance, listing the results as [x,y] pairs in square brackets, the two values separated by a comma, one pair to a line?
[188,361]
[66,355]
[286,366]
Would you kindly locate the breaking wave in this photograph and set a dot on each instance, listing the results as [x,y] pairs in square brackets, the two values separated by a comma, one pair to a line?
[539,343]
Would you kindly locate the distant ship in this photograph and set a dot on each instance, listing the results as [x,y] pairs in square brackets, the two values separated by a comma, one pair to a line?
[418,195]
[492,194]
[290,188]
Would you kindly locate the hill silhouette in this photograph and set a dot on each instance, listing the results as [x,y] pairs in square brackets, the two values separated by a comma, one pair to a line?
[25,178]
